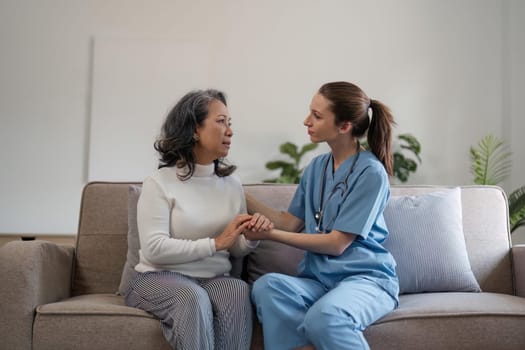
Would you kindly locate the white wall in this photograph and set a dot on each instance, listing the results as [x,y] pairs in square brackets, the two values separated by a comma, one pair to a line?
[516,82]
[514,101]
[452,71]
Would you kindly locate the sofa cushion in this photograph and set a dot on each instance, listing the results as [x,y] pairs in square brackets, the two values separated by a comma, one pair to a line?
[451,320]
[96,321]
[426,239]
[132,256]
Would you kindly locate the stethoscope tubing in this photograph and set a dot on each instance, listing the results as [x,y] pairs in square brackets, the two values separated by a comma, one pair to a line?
[318,215]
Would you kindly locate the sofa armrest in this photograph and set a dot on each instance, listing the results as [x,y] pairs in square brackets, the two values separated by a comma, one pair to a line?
[518,264]
[31,273]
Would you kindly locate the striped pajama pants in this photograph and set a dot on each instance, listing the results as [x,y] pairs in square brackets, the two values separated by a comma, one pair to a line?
[196,313]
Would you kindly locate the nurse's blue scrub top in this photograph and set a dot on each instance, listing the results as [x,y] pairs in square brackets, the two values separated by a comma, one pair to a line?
[359,210]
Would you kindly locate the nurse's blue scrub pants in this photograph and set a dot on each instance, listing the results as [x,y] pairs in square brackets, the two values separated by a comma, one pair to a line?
[299,311]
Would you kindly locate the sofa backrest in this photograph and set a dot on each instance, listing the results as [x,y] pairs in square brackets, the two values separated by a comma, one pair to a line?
[101,244]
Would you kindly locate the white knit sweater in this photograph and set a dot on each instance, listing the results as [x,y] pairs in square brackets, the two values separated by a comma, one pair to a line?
[178,220]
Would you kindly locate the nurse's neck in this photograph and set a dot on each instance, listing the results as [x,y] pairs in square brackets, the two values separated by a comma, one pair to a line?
[342,149]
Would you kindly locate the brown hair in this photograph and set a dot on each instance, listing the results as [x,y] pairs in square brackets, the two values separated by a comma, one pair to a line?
[350,104]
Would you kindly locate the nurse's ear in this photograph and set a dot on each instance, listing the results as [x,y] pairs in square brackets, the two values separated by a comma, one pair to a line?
[345,127]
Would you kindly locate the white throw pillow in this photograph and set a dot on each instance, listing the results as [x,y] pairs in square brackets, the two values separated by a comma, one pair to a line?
[426,239]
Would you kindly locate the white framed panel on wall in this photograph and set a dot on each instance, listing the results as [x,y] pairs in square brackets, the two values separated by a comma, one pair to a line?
[135,84]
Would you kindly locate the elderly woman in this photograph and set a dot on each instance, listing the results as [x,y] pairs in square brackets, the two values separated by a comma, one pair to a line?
[191,215]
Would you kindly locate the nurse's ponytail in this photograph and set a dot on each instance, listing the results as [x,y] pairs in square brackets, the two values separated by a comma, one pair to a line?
[380,134]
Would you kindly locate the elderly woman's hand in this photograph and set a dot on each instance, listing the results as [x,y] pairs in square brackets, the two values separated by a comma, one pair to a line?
[226,239]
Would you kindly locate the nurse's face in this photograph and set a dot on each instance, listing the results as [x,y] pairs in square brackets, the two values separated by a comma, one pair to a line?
[321,120]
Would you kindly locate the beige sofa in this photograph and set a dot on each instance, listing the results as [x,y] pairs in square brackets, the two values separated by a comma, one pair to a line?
[60,297]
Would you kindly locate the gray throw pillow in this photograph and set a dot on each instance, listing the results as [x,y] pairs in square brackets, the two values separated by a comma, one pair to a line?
[426,239]
[272,256]
[132,257]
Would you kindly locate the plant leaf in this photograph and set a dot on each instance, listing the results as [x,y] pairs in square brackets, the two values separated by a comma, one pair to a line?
[490,161]
[289,149]
[517,208]
[515,225]
[307,148]
[400,167]
[412,144]
[287,179]
[277,164]
[517,200]
[290,172]
[410,165]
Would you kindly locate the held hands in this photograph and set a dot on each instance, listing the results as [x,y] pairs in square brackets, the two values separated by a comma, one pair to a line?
[254,227]
[258,227]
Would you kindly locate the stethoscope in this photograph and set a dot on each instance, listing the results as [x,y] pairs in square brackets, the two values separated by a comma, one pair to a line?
[343,184]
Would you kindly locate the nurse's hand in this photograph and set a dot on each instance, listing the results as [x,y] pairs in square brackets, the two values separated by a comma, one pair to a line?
[256,235]
[260,222]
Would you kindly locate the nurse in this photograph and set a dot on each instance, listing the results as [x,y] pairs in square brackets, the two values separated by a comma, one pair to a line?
[347,279]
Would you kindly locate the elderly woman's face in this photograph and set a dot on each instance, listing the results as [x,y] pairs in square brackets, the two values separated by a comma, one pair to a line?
[214,135]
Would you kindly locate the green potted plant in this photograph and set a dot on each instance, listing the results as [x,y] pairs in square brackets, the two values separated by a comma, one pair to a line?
[290,171]
[490,166]
[407,146]
[403,163]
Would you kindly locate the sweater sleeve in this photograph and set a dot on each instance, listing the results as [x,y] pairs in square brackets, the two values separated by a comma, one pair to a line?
[153,220]
[242,247]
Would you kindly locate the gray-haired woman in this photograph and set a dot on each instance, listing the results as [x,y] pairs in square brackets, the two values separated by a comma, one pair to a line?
[191,215]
